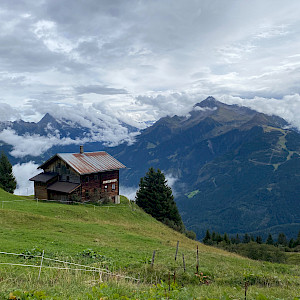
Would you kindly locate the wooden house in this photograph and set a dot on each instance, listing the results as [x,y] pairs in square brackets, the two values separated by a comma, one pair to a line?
[79,177]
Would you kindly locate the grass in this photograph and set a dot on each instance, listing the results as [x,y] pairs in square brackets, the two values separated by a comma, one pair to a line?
[123,238]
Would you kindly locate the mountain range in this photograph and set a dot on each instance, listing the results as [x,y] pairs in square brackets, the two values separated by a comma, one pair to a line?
[234,169]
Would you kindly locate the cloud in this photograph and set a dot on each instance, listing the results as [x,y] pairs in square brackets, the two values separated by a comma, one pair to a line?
[128,192]
[34,145]
[7,113]
[141,60]
[287,107]
[98,89]
[171,180]
[22,174]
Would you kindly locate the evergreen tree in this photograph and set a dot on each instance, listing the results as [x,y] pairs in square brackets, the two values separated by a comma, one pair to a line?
[207,237]
[269,240]
[297,242]
[237,239]
[259,239]
[155,198]
[7,179]
[213,237]
[246,238]
[219,238]
[226,238]
[282,239]
[292,243]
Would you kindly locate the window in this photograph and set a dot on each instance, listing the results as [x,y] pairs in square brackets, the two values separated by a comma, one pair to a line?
[113,186]
[59,165]
[87,179]
[68,178]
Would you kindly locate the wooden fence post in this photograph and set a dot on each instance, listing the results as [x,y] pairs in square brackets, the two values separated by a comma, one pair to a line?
[197,265]
[176,250]
[183,262]
[41,265]
[152,261]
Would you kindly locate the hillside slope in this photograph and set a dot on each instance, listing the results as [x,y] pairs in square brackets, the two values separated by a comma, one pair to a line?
[125,238]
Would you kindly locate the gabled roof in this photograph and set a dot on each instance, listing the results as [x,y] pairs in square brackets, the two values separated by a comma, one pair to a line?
[44,177]
[63,187]
[87,162]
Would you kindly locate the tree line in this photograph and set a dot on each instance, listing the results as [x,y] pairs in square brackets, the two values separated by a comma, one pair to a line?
[255,247]
[216,238]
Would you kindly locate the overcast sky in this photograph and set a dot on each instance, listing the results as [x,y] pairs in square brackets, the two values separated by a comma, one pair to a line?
[141,60]
[94,61]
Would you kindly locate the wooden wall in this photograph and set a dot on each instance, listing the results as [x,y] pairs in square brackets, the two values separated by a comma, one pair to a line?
[100,185]
[65,172]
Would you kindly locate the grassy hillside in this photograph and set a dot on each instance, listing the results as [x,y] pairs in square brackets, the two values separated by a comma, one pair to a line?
[122,238]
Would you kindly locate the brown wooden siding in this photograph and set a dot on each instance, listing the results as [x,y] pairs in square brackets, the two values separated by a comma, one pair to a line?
[65,172]
[40,190]
[93,186]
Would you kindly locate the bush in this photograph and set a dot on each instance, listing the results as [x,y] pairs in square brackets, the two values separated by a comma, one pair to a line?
[191,234]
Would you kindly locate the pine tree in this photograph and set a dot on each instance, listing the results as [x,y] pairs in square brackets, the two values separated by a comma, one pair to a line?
[237,239]
[292,243]
[246,238]
[155,198]
[207,238]
[282,239]
[297,242]
[259,239]
[269,240]
[7,179]
[213,237]
[226,238]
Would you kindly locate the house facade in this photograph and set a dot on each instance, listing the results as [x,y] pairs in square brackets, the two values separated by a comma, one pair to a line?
[90,176]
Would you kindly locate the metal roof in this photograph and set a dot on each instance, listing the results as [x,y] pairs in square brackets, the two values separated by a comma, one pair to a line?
[44,177]
[89,162]
[63,187]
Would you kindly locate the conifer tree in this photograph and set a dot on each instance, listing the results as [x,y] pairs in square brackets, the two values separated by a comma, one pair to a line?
[7,178]
[297,242]
[246,238]
[269,240]
[282,239]
[226,238]
[259,239]
[237,239]
[155,198]
[207,237]
[292,243]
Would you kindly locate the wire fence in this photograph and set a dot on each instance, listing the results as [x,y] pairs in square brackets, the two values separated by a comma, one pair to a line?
[61,201]
[78,267]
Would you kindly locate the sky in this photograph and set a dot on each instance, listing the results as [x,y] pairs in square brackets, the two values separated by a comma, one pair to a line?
[137,61]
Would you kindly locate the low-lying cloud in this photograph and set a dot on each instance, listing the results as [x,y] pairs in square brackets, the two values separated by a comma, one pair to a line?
[23,172]
[33,145]
[129,192]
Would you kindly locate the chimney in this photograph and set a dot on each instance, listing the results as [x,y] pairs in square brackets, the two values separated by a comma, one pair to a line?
[81,149]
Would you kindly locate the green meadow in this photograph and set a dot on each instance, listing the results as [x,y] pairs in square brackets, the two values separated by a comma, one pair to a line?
[118,241]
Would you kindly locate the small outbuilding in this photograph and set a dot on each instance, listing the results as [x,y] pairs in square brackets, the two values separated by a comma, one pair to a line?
[79,177]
